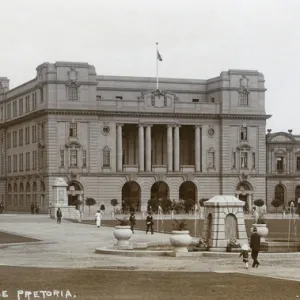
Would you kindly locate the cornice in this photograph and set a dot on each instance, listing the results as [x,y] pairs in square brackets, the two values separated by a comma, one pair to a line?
[43,112]
[178,91]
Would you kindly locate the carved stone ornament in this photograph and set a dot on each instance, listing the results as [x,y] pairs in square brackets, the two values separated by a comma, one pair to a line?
[210,132]
[72,83]
[105,130]
[159,98]
[72,74]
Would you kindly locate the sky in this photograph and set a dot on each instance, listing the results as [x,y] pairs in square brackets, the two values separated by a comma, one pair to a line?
[197,39]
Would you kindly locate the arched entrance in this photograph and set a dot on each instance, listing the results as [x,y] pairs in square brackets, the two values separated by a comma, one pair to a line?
[75,193]
[188,193]
[131,196]
[297,194]
[159,190]
[244,193]
[279,193]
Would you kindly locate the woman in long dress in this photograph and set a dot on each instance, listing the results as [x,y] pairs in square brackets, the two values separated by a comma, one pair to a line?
[98,218]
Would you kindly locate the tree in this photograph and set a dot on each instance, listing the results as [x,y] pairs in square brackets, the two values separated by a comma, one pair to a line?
[276,203]
[259,202]
[114,203]
[89,202]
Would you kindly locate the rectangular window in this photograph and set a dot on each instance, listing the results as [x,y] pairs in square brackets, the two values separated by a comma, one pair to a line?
[72,92]
[15,163]
[33,160]
[41,95]
[244,159]
[20,106]
[234,160]
[62,158]
[244,133]
[27,162]
[73,158]
[243,98]
[15,139]
[84,158]
[298,163]
[253,161]
[21,162]
[27,135]
[195,100]
[33,133]
[27,104]
[1,116]
[42,131]
[119,97]
[20,137]
[279,163]
[73,130]
[98,98]
[34,101]
[8,137]
[9,164]
[15,109]
[8,110]
[211,159]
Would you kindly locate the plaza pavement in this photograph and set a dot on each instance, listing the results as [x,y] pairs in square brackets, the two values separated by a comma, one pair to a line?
[72,245]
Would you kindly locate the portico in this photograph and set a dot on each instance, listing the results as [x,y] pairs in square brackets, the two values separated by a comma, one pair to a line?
[158,148]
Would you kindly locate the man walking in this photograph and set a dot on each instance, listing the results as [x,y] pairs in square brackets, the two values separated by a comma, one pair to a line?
[58,216]
[149,223]
[255,247]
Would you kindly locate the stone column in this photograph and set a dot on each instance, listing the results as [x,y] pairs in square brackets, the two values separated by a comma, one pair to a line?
[141,148]
[119,148]
[148,148]
[197,148]
[170,148]
[250,202]
[176,149]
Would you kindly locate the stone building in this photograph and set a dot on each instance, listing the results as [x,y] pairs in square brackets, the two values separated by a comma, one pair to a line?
[120,137]
[283,167]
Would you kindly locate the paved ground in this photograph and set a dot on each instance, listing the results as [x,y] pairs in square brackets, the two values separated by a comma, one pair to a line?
[72,245]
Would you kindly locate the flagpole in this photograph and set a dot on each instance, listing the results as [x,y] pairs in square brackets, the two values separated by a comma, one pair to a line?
[157,66]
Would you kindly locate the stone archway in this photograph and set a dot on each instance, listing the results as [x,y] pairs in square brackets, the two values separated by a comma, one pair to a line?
[280,193]
[159,190]
[131,196]
[244,193]
[188,193]
[75,193]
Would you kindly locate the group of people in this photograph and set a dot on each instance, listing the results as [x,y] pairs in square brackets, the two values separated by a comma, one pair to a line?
[35,208]
[255,248]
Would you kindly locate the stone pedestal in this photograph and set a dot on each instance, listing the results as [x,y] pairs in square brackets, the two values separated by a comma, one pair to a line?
[224,219]
[60,200]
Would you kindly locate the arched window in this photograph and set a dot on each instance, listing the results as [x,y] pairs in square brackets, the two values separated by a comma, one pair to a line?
[106,157]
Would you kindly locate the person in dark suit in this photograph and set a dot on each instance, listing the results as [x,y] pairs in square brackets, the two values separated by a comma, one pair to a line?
[58,216]
[255,247]
[149,223]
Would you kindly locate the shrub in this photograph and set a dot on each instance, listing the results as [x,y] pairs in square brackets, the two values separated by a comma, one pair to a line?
[153,205]
[259,202]
[123,222]
[114,203]
[179,225]
[89,202]
[166,205]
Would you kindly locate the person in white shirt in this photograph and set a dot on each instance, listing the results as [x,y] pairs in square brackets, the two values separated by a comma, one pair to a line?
[98,218]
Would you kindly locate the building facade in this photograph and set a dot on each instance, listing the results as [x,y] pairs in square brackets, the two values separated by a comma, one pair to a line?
[283,167]
[120,137]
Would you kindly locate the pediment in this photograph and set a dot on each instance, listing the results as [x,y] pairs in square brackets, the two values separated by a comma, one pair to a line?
[244,147]
[280,152]
[73,144]
[281,137]
[159,99]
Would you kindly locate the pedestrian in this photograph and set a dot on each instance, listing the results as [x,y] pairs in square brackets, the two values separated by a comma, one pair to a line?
[255,247]
[37,208]
[98,218]
[244,253]
[1,208]
[32,208]
[132,221]
[58,216]
[149,223]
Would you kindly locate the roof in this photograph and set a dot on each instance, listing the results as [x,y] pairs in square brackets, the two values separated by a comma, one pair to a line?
[224,200]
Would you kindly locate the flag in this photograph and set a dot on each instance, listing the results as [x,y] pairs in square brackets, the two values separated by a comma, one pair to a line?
[159,56]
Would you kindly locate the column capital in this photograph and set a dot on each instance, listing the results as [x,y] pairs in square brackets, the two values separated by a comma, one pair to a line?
[141,125]
[120,124]
[197,126]
[148,125]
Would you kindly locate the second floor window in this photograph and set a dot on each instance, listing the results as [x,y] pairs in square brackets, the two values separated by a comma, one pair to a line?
[27,136]
[72,92]
[62,158]
[8,107]
[20,137]
[21,106]
[279,163]
[298,163]
[244,135]
[73,158]
[106,157]
[8,137]
[27,103]
[244,160]
[15,140]
[21,162]
[84,158]
[73,130]
[15,111]
[253,161]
